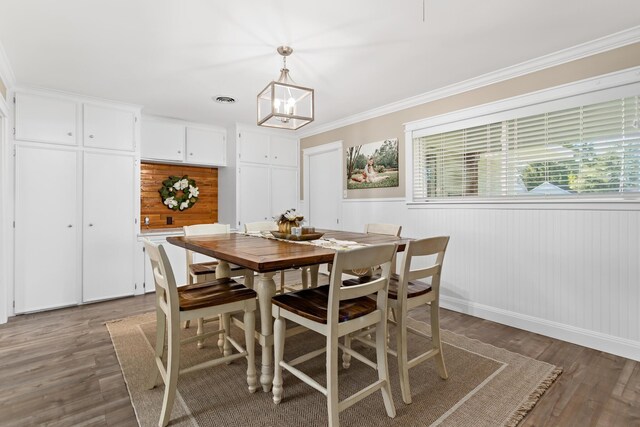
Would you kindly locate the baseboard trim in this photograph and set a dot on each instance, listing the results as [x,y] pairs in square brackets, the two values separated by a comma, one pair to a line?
[596,340]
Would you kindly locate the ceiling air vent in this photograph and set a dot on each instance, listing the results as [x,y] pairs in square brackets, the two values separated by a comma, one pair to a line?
[224,99]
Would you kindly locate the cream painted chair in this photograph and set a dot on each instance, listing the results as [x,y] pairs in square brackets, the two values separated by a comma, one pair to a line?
[173,305]
[199,272]
[260,226]
[407,293]
[202,272]
[335,311]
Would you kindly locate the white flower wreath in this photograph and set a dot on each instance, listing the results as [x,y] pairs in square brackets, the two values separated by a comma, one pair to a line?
[179,193]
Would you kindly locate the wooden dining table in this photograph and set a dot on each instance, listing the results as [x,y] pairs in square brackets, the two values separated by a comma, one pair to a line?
[267,256]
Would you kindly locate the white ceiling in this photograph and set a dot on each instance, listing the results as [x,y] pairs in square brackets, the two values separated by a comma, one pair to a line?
[172,56]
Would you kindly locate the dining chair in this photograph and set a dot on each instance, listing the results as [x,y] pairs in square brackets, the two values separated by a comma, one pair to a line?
[175,304]
[202,272]
[260,226]
[406,292]
[206,270]
[377,228]
[335,311]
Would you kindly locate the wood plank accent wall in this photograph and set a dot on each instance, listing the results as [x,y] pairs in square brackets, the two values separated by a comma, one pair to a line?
[204,211]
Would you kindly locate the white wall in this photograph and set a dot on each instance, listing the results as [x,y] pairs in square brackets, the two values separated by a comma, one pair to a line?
[5,203]
[569,272]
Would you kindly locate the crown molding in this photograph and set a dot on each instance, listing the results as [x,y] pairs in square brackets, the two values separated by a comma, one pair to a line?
[6,73]
[603,44]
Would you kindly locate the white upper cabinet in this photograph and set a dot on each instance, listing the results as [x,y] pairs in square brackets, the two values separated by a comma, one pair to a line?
[41,118]
[181,142]
[206,146]
[111,128]
[253,147]
[162,140]
[259,147]
[284,151]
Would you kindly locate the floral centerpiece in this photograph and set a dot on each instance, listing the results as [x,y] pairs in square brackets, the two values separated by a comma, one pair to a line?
[288,219]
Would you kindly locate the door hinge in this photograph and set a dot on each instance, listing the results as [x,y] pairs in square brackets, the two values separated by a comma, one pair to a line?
[14,149]
[14,302]
[14,99]
[337,220]
[144,249]
[144,285]
[135,119]
[238,222]
[239,135]
[14,131]
[239,155]
[135,286]
[135,221]
[14,224]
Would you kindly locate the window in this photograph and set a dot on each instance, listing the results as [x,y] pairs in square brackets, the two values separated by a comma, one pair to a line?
[591,149]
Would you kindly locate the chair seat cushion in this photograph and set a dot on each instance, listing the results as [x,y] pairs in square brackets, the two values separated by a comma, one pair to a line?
[312,304]
[414,288]
[215,292]
[208,268]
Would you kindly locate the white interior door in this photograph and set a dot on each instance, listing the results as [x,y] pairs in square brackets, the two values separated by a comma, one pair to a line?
[253,193]
[109,234]
[324,187]
[46,229]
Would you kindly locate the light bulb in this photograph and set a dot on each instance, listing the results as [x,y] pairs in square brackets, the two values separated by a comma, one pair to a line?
[290,104]
[276,104]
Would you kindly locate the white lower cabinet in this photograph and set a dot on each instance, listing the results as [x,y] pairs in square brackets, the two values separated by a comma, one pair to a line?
[109,228]
[61,260]
[47,253]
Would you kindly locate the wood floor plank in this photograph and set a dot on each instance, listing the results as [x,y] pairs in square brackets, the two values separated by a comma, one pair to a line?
[59,368]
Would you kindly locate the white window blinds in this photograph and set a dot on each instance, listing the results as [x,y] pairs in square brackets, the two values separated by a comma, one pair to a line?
[583,150]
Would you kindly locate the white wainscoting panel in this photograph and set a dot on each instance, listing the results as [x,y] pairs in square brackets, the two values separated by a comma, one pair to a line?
[569,274]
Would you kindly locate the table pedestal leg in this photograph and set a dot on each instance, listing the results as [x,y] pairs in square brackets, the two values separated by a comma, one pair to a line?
[223,270]
[314,275]
[266,289]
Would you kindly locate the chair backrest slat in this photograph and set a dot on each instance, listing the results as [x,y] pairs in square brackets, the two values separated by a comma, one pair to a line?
[387,229]
[252,227]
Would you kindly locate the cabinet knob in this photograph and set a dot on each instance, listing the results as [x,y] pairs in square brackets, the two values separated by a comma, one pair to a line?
[265,156]
[69,133]
[91,136]
[179,151]
[191,154]
[70,225]
[90,225]
[276,157]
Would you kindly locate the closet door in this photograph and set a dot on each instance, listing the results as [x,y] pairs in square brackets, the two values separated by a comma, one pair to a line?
[46,229]
[108,229]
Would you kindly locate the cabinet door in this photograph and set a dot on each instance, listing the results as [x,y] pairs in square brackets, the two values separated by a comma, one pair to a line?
[206,147]
[45,119]
[284,190]
[253,147]
[46,230]
[110,128]
[284,151]
[253,193]
[162,140]
[108,234]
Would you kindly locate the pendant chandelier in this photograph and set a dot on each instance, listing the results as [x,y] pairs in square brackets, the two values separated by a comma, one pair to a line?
[283,104]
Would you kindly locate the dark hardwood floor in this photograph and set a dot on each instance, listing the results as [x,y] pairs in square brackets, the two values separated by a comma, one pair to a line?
[59,368]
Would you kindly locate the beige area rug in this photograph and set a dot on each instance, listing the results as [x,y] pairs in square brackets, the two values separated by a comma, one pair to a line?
[487,386]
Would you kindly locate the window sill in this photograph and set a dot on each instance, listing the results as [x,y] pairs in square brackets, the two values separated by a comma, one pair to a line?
[631,203]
